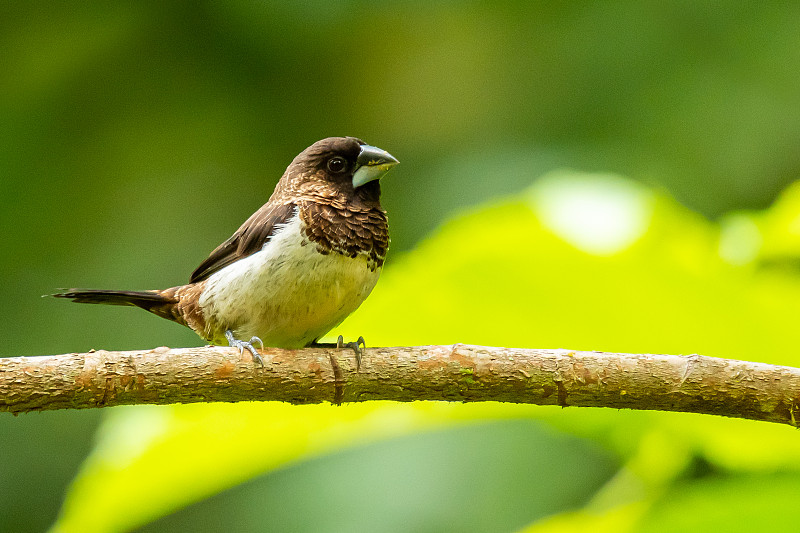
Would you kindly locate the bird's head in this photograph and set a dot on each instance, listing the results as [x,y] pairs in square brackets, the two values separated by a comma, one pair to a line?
[339,167]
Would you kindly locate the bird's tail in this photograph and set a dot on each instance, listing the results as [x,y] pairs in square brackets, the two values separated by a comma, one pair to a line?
[157,302]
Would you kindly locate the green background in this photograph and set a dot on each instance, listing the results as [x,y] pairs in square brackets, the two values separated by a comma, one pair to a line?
[136,137]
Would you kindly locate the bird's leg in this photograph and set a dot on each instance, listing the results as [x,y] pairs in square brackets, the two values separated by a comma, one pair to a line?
[232,341]
[358,347]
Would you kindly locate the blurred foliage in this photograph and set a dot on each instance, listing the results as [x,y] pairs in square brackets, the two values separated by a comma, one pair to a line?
[519,272]
[442,480]
[137,136]
[39,455]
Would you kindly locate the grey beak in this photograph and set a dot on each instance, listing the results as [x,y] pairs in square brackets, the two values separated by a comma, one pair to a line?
[372,164]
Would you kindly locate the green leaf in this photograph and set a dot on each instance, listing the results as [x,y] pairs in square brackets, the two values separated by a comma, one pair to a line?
[487,477]
[743,503]
[579,261]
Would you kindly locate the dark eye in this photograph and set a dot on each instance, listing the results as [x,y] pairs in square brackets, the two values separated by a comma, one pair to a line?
[337,164]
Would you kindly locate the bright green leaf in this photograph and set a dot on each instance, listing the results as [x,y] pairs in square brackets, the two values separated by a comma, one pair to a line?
[653,277]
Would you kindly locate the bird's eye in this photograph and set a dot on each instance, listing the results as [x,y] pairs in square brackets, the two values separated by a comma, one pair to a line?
[337,164]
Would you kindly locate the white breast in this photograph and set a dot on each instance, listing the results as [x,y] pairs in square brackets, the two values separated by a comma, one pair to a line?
[288,293]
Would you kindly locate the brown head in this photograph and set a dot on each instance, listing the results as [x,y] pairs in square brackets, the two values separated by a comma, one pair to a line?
[338,171]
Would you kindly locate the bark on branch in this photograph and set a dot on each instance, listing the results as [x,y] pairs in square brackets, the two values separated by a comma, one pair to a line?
[463,373]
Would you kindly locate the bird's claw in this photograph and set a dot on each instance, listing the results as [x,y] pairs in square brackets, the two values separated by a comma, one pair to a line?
[358,347]
[232,341]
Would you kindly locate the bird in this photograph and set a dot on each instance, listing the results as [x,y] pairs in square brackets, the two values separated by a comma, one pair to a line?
[296,268]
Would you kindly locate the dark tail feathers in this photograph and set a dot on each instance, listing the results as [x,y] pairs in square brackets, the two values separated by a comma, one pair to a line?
[145,299]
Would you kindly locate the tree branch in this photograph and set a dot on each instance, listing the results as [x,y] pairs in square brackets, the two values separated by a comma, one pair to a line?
[463,373]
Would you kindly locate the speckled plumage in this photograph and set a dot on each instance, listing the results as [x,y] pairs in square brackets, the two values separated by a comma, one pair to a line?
[286,294]
[298,266]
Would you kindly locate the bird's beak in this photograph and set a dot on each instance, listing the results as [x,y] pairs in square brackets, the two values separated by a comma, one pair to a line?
[372,164]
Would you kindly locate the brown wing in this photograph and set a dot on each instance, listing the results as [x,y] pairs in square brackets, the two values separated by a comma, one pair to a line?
[248,239]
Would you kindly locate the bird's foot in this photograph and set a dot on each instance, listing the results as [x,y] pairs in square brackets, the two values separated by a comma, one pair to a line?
[358,347]
[232,341]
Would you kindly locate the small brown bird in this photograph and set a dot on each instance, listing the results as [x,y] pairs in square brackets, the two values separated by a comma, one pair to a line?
[296,268]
